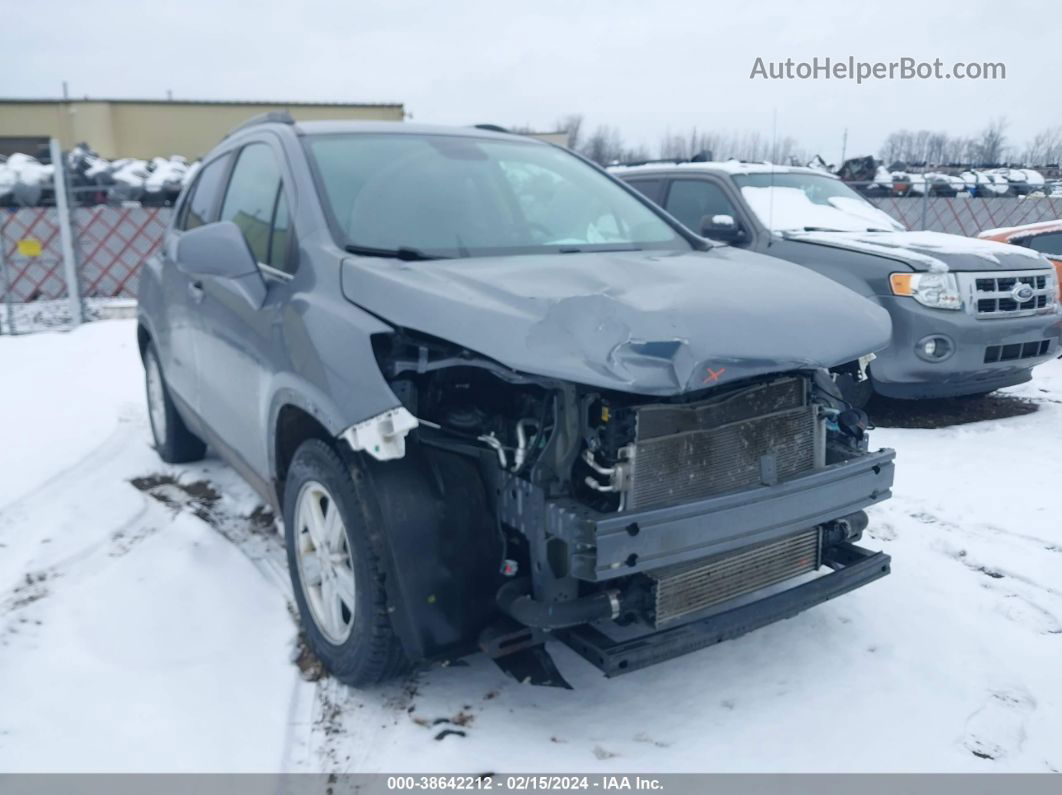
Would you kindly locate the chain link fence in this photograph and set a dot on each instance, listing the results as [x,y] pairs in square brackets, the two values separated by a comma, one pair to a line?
[967,216]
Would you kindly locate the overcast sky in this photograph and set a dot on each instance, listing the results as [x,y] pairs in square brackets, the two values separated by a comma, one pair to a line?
[640,65]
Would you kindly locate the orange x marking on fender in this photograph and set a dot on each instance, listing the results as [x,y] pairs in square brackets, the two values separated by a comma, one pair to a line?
[713,375]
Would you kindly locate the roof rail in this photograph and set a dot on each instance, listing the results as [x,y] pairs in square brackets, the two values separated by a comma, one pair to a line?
[647,162]
[270,117]
[491,128]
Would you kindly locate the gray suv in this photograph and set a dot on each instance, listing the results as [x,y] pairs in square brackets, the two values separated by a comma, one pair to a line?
[486,387]
[968,316]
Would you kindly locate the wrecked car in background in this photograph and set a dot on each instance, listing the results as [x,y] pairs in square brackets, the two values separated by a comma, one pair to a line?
[968,316]
[497,397]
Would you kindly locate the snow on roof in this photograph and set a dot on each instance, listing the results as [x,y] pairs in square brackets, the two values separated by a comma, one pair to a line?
[1009,232]
[719,166]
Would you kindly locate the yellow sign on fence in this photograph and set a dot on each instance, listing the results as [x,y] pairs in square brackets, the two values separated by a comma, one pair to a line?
[29,247]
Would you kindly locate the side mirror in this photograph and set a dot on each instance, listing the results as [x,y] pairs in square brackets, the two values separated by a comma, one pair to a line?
[721,227]
[217,249]
[221,250]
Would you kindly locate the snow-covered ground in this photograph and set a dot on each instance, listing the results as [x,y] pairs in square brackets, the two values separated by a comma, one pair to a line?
[145,626]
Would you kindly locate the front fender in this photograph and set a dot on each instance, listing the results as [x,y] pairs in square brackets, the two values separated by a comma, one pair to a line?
[332,375]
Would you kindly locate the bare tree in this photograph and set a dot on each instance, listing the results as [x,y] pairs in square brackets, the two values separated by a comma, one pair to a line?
[1045,147]
[573,125]
[992,141]
[605,145]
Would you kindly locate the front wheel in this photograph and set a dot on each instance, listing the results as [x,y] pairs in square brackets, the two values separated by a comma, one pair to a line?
[335,573]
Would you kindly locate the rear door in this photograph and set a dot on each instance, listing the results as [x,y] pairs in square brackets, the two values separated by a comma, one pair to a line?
[242,344]
[181,290]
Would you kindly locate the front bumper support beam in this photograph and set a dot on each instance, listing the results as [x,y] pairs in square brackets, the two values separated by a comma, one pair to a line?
[853,567]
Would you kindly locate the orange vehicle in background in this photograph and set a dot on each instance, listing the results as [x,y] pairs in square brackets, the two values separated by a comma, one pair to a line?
[1045,237]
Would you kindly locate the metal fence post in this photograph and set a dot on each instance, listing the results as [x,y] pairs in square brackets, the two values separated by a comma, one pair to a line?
[66,232]
[7,283]
[925,203]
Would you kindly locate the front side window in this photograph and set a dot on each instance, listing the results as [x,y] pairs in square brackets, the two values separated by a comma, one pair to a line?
[454,196]
[788,201]
[255,202]
[280,242]
[694,200]
[199,207]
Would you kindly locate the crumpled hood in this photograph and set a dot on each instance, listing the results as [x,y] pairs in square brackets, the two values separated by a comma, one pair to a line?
[642,322]
[930,251]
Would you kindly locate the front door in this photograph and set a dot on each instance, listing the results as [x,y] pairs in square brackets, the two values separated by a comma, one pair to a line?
[241,345]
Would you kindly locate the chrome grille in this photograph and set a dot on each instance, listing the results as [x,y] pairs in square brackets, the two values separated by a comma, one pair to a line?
[1004,294]
[765,434]
[690,588]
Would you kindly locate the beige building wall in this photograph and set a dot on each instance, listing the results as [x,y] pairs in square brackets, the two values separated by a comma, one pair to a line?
[146,129]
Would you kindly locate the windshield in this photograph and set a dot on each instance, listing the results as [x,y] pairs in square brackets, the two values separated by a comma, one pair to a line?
[810,202]
[454,196]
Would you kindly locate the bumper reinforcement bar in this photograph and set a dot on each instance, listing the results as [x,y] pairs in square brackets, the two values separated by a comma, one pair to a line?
[853,567]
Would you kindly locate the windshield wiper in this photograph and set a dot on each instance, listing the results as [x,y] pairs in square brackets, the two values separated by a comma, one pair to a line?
[831,229]
[407,253]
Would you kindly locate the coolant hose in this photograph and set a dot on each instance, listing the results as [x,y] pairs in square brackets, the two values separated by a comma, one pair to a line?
[514,600]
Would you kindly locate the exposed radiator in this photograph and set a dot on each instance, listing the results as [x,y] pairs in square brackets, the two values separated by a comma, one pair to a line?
[692,587]
[764,434]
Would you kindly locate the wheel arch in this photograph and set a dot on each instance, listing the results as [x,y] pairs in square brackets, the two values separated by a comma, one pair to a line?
[292,424]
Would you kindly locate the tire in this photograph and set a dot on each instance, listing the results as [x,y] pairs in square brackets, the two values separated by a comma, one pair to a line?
[857,393]
[173,441]
[355,642]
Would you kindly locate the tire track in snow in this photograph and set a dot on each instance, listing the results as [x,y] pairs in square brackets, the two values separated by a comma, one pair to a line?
[327,740]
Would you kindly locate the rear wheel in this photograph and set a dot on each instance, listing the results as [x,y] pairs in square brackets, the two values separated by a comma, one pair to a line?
[173,441]
[336,576]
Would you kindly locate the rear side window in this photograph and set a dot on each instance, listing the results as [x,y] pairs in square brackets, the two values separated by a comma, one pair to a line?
[1051,243]
[200,206]
[690,200]
[650,188]
[255,202]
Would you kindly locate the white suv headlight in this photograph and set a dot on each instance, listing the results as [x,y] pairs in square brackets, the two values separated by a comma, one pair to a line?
[935,290]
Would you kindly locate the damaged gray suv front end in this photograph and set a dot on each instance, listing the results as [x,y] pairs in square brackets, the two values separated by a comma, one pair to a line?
[564,416]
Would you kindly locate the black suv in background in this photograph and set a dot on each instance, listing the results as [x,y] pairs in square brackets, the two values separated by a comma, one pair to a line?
[968,316]
[496,398]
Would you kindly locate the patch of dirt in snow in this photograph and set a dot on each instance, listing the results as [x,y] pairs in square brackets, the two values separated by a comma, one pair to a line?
[197,496]
[31,590]
[310,667]
[889,413]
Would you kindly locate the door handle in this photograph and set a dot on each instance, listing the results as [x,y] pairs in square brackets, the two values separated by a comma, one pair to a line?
[195,291]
